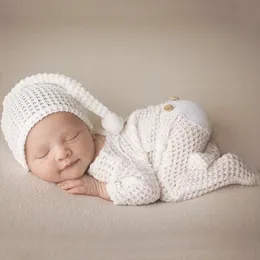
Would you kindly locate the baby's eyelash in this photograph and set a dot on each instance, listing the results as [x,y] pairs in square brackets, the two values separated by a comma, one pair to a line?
[44,155]
[73,137]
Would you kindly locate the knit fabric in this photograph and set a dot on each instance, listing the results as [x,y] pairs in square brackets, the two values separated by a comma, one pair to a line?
[35,97]
[166,154]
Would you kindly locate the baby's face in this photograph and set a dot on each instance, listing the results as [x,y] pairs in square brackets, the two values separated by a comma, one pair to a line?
[59,147]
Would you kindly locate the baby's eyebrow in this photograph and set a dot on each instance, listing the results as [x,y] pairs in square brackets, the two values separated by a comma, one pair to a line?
[68,131]
[42,147]
[64,132]
[73,129]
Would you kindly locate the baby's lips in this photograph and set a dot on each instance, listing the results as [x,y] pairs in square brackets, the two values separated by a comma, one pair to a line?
[69,164]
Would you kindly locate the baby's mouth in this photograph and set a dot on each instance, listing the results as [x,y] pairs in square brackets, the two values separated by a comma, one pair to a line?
[70,164]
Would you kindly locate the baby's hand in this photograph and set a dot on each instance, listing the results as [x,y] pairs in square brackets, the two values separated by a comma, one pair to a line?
[86,185]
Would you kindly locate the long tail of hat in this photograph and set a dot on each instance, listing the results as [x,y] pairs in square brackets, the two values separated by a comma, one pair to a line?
[110,121]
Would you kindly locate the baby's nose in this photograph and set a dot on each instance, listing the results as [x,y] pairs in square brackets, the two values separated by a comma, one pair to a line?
[62,153]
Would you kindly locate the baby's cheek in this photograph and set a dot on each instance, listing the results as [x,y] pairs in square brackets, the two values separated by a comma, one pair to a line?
[82,148]
[47,171]
[87,153]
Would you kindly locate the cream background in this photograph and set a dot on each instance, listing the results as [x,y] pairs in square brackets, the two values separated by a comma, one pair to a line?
[131,54]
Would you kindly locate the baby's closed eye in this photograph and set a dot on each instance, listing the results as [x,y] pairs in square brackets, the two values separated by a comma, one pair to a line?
[72,136]
[42,154]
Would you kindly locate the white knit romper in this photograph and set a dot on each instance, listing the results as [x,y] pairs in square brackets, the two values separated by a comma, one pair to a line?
[165,152]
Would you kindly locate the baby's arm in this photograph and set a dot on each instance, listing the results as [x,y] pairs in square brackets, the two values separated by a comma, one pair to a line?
[135,188]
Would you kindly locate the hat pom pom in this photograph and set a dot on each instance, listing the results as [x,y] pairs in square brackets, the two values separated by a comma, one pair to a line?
[113,123]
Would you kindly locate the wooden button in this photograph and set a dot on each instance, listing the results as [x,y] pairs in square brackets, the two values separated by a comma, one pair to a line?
[174,98]
[169,107]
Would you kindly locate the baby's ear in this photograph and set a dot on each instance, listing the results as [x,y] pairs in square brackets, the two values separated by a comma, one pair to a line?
[98,130]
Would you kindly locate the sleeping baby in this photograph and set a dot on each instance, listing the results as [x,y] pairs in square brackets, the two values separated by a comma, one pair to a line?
[162,152]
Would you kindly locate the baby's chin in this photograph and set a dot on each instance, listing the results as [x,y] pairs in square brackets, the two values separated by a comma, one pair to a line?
[66,177]
[72,176]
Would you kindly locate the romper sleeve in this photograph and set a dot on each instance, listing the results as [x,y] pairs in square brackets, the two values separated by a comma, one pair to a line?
[134,186]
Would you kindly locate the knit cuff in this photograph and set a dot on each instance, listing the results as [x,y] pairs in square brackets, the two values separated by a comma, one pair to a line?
[116,198]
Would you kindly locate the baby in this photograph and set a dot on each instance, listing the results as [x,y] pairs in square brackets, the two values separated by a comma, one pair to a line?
[161,152]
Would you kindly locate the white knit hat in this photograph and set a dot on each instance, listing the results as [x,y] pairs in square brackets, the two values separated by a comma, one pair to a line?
[35,97]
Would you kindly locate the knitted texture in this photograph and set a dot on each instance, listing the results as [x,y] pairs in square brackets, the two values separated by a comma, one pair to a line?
[168,155]
[35,97]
